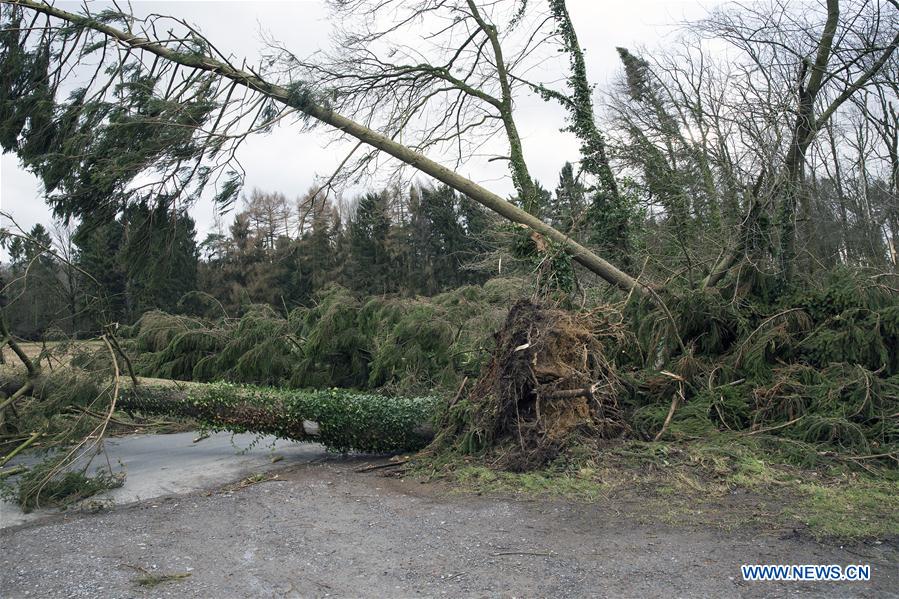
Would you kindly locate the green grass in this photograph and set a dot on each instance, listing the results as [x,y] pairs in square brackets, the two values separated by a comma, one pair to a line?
[856,510]
[581,486]
[727,481]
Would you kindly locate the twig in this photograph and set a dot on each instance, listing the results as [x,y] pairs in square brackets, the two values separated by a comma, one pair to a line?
[95,435]
[33,370]
[254,479]
[115,343]
[379,466]
[151,579]
[21,391]
[587,392]
[680,393]
[739,351]
[774,428]
[524,553]
[459,392]
[18,469]
[20,448]
[115,390]
[122,422]
[874,456]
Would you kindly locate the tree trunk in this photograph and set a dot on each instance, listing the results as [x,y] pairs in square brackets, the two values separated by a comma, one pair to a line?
[257,410]
[302,102]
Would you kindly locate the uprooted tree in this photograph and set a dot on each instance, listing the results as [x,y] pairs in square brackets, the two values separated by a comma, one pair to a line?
[160,117]
[175,106]
[183,108]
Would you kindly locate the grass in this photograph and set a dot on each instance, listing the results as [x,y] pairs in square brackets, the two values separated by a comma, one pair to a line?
[582,486]
[728,481]
[33,349]
[852,511]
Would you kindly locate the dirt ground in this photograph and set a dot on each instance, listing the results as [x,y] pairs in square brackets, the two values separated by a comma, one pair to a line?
[323,529]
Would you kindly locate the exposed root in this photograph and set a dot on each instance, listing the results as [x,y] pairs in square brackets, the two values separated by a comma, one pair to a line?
[550,381]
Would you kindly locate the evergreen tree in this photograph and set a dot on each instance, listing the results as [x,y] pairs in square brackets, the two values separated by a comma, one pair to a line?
[34,303]
[104,298]
[368,268]
[568,206]
[159,256]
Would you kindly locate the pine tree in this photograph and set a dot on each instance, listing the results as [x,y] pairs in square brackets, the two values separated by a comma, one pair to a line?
[159,256]
[34,302]
[569,203]
[104,298]
[368,267]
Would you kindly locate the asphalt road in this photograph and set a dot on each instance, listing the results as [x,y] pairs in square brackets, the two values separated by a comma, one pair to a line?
[324,530]
[158,465]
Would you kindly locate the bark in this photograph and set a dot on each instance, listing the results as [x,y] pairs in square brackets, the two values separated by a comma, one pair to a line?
[26,384]
[744,231]
[803,134]
[321,113]
[172,400]
[523,181]
[807,126]
[594,158]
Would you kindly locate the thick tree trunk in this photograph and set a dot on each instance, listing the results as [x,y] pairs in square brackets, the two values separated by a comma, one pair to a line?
[235,409]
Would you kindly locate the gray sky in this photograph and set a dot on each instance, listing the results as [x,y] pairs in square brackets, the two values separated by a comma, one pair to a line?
[288,161]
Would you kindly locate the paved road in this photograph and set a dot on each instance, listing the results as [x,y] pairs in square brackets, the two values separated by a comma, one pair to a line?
[159,465]
[323,529]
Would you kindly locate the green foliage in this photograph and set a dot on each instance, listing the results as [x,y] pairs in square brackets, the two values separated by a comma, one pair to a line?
[155,330]
[347,421]
[90,148]
[335,349]
[406,345]
[817,366]
[43,486]
[38,292]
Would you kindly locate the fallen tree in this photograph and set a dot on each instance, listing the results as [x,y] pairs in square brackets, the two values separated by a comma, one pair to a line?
[341,420]
[818,373]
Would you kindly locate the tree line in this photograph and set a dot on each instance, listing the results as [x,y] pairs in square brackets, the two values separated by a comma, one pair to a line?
[75,279]
[759,149]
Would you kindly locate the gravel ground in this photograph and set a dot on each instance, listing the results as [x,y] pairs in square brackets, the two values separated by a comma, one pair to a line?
[323,529]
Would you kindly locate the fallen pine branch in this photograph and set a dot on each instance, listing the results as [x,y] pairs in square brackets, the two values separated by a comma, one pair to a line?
[28,442]
[12,471]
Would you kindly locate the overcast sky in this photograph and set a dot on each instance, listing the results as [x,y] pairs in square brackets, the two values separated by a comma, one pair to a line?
[288,161]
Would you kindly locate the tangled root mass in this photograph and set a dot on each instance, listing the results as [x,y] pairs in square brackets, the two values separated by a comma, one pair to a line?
[549,381]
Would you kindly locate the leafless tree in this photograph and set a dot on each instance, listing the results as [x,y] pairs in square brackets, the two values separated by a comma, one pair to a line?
[216,103]
[731,116]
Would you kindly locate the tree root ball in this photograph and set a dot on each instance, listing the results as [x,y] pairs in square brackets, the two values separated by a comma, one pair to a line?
[550,383]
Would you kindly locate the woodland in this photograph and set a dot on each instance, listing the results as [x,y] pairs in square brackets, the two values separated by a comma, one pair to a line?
[720,263]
